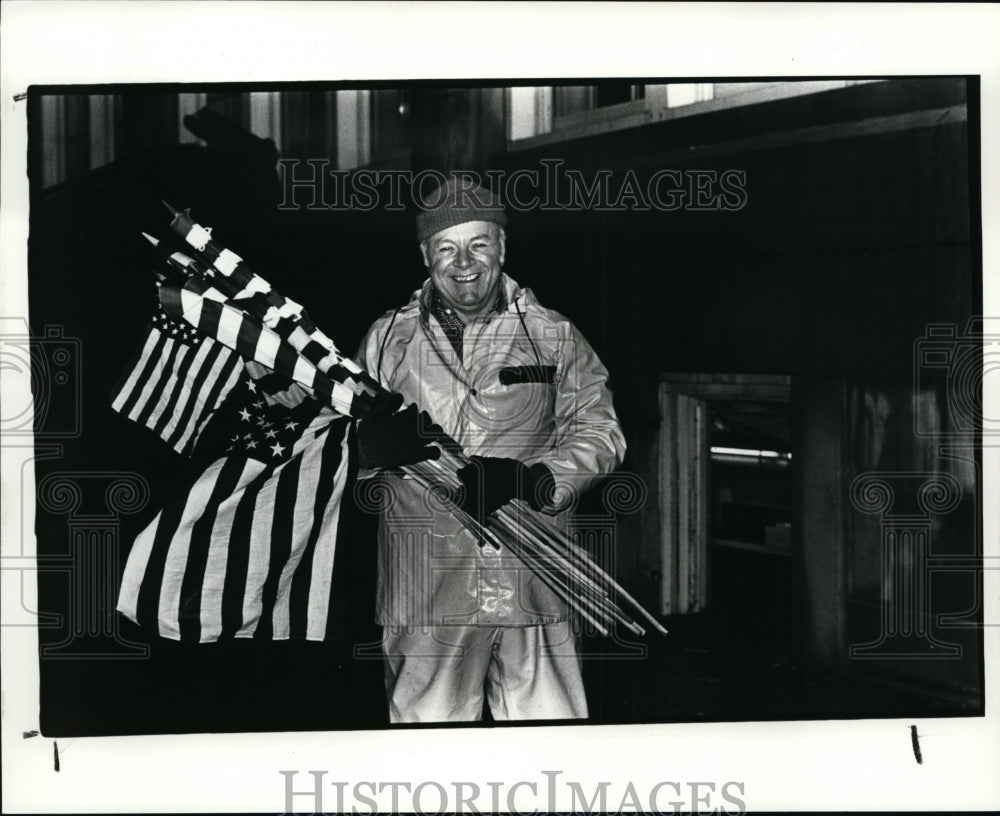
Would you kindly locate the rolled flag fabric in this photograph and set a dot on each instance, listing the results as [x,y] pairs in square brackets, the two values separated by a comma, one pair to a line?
[176,381]
[247,551]
[200,305]
[230,274]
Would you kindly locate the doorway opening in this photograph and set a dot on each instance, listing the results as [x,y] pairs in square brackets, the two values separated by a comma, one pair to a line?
[726,464]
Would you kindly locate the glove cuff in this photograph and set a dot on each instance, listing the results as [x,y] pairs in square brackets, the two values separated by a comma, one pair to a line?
[539,486]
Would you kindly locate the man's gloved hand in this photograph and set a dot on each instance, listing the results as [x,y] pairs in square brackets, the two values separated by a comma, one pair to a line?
[490,482]
[387,439]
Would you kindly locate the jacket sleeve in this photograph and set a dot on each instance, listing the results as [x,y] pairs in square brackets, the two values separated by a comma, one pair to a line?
[367,354]
[589,438]
[367,358]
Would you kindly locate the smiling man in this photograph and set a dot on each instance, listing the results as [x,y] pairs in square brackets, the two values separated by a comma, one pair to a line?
[524,394]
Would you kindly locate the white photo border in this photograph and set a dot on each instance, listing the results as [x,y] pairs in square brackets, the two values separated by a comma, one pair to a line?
[829,765]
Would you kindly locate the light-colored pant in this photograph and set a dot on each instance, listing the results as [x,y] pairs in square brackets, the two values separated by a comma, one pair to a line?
[440,674]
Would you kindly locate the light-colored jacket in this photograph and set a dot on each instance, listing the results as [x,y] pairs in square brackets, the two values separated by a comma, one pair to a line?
[431,571]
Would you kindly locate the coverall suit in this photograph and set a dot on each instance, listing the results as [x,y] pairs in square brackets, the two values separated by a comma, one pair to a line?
[460,619]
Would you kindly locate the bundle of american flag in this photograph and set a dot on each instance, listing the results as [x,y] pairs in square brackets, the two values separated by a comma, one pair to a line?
[247,550]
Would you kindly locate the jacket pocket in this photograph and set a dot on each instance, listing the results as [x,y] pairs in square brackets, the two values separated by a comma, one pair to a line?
[512,375]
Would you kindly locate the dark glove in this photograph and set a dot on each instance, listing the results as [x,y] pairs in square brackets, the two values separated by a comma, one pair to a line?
[387,439]
[490,482]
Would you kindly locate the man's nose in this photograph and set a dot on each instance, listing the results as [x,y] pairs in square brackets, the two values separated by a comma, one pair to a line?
[464,259]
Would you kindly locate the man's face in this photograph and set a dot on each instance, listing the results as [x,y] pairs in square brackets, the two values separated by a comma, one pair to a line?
[464,262]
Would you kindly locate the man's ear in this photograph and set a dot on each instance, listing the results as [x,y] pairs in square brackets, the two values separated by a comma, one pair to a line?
[503,245]
[423,251]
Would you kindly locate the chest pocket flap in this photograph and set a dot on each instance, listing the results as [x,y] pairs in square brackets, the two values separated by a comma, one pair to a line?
[512,375]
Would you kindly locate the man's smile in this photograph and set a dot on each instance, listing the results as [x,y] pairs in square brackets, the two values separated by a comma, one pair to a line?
[466,278]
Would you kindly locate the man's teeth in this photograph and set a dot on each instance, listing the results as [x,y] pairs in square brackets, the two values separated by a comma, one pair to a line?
[466,278]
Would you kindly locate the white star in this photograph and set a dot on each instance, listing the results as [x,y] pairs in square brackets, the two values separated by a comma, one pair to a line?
[291,426]
[261,421]
[245,414]
[252,443]
[235,438]
[258,404]
[251,386]
[278,448]
[248,436]
[271,433]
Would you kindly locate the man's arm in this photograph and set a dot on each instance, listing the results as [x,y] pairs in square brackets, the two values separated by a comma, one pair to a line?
[589,438]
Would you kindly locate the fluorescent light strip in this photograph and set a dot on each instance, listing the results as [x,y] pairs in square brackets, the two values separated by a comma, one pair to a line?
[752,454]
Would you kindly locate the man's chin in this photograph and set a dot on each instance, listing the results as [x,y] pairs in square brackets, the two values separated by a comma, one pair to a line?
[469,304]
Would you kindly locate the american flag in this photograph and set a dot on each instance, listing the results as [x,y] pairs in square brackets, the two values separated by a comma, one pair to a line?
[247,551]
[176,381]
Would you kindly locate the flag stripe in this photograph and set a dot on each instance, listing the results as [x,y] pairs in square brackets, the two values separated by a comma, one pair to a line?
[165,372]
[126,388]
[266,349]
[285,358]
[321,583]
[224,383]
[190,586]
[281,545]
[301,523]
[135,568]
[192,302]
[335,614]
[165,529]
[227,261]
[314,352]
[166,409]
[229,323]
[258,559]
[217,558]
[330,460]
[208,322]
[305,373]
[254,509]
[193,375]
[155,358]
[177,431]
[248,335]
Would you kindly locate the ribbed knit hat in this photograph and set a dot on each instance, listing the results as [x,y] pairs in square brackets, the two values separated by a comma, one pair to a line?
[442,208]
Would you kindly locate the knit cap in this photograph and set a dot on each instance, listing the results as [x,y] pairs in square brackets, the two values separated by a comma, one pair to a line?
[455,203]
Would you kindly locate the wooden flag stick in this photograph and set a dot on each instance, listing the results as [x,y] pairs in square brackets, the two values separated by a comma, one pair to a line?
[578,603]
[599,596]
[447,473]
[466,520]
[558,535]
[550,562]
[573,569]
